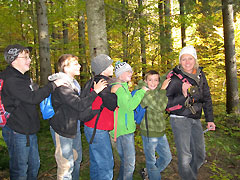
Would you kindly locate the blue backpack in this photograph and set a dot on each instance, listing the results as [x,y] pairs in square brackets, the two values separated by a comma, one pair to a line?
[138,112]
[46,108]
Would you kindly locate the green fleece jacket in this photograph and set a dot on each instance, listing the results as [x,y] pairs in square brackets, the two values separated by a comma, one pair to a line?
[156,100]
[126,104]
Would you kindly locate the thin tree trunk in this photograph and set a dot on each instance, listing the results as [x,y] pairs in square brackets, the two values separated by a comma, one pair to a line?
[124,31]
[82,47]
[44,48]
[34,29]
[96,21]
[161,33]
[230,58]
[183,28]
[168,26]
[142,37]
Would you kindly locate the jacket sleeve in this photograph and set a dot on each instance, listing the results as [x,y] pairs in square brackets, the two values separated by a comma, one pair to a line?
[126,101]
[22,90]
[207,100]
[174,93]
[109,99]
[72,99]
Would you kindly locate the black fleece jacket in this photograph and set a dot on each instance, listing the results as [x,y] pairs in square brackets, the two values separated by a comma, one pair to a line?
[68,106]
[202,99]
[20,99]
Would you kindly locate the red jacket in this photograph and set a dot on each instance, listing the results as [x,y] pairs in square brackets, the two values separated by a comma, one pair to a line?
[109,102]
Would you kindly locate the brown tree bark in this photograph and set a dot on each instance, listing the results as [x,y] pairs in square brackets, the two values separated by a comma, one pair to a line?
[142,38]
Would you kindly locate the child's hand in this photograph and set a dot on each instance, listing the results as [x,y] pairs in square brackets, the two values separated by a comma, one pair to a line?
[98,87]
[115,88]
[166,83]
[145,88]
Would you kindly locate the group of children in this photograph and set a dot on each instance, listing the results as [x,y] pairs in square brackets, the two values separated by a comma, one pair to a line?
[112,107]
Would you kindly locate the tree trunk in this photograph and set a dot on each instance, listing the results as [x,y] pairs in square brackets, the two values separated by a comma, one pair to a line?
[82,47]
[142,37]
[44,49]
[124,31]
[65,34]
[96,21]
[34,53]
[168,26]
[161,29]
[183,28]
[232,104]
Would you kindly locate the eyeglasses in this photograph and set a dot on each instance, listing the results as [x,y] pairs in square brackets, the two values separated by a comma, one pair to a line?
[25,58]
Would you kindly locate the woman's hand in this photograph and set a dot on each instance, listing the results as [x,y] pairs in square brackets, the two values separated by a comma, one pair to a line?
[185,87]
[98,87]
[211,126]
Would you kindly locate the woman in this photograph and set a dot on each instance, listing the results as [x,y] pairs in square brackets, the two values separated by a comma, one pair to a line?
[188,93]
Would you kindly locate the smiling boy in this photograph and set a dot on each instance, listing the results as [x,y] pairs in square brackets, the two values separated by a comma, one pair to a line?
[153,135]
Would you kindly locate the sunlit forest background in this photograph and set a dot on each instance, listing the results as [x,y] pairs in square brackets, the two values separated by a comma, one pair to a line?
[148,34]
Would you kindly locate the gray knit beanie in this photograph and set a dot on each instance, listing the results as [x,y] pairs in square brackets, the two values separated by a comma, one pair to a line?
[100,63]
[121,67]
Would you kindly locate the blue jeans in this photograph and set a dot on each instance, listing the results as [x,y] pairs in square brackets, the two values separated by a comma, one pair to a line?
[101,156]
[126,151]
[24,160]
[161,146]
[68,155]
[189,140]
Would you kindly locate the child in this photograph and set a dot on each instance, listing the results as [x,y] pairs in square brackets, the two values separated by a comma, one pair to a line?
[125,124]
[155,140]
[65,125]
[100,148]
[20,98]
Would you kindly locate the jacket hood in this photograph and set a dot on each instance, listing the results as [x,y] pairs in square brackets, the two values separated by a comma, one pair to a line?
[64,76]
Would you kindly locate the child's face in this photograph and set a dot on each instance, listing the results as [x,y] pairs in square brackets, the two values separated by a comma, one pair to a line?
[152,81]
[108,72]
[126,76]
[22,62]
[73,69]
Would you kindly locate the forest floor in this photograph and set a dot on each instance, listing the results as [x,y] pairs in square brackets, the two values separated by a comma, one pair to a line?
[222,156]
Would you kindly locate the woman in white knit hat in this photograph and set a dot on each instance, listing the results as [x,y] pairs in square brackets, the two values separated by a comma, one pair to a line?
[188,93]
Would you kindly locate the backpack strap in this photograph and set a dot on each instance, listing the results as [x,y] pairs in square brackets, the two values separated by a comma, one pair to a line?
[115,127]
[146,121]
[95,125]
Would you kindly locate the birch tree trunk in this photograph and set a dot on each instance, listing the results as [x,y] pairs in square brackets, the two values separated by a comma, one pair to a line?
[44,49]
[232,104]
[96,21]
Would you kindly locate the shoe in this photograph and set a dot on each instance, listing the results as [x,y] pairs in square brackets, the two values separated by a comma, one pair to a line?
[143,173]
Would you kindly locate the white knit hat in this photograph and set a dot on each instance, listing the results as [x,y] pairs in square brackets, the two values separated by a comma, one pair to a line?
[121,67]
[188,50]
